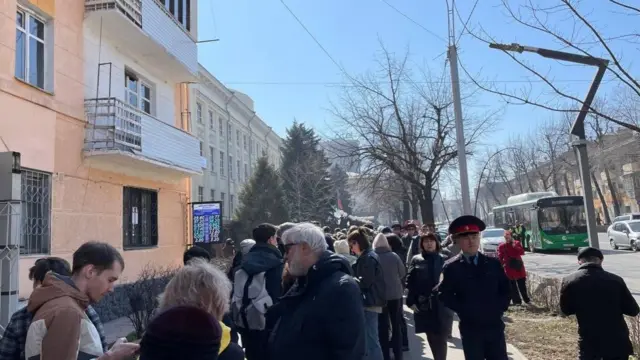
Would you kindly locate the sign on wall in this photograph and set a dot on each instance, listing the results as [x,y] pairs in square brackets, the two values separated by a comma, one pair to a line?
[207,222]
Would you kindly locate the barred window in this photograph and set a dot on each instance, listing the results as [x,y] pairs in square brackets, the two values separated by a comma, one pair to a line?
[139,218]
[36,212]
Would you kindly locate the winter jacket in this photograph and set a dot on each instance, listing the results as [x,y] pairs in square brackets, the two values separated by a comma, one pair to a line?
[599,299]
[510,255]
[60,329]
[229,350]
[369,273]
[479,293]
[407,242]
[423,277]
[394,272]
[321,317]
[414,248]
[329,241]
[268,259]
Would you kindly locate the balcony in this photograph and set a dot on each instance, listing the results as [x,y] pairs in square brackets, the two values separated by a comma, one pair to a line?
[122,139]
[146,31]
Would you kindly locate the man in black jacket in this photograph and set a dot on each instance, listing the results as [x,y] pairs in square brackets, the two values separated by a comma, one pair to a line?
[321,316]
[599,299]
[264,257]
[477,289]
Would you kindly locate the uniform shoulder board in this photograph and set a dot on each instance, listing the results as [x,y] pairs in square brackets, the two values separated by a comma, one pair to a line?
[452,259]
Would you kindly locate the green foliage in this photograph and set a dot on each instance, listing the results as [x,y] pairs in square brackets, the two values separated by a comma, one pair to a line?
[261,200]
[307,185]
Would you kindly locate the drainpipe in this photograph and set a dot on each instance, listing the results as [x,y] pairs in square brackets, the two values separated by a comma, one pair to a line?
[226,108]
[251,143]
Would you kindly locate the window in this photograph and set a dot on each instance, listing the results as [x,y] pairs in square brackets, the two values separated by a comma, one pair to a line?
[200,193]
[137,92]
[231,198]
[244,141]
[199,113]
[231,166]
[211,126]
[30,49]
[201,148]
[238,138]
[139,217]
[212,158]
[212,195]
[221,163]
[238,169]
[181,11]
[246,172]
[220,126]
[36,212]
[223,204]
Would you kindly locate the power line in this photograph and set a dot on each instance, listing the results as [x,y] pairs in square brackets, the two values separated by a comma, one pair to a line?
[338,83]
[326,52]
[413,21]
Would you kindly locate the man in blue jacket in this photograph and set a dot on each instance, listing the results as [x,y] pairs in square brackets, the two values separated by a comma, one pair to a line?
[477,289]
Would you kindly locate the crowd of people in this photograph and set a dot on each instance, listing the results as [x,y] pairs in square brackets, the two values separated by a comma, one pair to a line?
[299,291]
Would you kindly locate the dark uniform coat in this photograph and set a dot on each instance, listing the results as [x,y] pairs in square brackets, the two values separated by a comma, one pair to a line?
[599,299]
[479,293]
[423,276]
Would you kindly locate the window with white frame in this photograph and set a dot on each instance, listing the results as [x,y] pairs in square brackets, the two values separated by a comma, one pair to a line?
[231,200]
[246,172]
[201,148]
[211,126]
[231,166]
[238,138]
[238,169]
[200,193]
[244,141]
[220,126]
[31,48]
[138,93]
[212,156]
[221,163]
[199,113]
[212,195]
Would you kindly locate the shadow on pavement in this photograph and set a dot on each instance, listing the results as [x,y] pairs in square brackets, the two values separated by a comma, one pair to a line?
[418,345]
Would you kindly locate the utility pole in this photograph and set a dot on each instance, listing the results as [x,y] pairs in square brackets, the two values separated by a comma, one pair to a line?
[452,54]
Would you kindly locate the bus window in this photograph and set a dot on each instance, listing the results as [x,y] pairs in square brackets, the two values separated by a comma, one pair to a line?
[498,217]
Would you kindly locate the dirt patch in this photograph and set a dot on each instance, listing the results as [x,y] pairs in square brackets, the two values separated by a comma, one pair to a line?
[541,335]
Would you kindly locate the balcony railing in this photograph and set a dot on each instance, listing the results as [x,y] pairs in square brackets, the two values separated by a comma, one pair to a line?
[130,8]
[113,125]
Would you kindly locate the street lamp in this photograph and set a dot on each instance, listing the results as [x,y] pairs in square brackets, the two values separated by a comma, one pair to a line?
[577,129]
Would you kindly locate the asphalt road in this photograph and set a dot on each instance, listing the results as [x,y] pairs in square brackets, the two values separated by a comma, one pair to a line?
[622,262]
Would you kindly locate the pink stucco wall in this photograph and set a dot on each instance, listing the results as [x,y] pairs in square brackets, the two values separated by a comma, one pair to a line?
[48,130]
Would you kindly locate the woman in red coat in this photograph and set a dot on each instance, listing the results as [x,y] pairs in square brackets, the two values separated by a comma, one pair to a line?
[510,255]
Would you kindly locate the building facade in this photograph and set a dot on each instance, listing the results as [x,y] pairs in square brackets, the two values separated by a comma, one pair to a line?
[232,137]
[99,93]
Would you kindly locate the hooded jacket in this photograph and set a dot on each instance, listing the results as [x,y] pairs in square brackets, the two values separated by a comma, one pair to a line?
[268,259]
[309,323]
[60,330]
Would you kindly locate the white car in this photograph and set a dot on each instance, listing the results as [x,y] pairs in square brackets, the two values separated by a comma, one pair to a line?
[490,240]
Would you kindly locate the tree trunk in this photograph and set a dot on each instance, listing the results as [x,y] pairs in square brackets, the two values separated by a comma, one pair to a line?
[415,202]
[614,192]
[406,207]
[566,184]
[426,207]
[605,208]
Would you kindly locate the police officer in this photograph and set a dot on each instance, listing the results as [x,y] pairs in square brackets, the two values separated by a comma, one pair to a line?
[477,289]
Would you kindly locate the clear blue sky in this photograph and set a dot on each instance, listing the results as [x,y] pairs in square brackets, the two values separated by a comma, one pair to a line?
[265,53]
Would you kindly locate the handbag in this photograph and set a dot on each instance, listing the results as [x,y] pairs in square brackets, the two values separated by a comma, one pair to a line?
[515,264]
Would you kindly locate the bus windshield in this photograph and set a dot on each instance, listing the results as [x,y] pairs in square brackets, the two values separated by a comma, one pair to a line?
[566,219]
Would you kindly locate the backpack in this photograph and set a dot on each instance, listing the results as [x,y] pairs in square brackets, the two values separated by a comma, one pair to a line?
[250,300]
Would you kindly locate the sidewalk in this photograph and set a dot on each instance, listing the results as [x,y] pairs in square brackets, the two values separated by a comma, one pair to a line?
[117,328]
[420,347]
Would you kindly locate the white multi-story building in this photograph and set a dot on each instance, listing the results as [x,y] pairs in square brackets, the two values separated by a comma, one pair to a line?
[232,138]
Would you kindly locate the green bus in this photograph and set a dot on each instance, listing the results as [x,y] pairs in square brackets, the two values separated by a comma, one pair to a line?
[551,222]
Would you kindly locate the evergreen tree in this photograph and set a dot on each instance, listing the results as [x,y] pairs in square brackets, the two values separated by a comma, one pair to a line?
[340,180]
[306,182]
[261,200]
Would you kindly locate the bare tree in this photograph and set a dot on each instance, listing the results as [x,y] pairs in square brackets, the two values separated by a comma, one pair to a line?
[404,126]
[573,26]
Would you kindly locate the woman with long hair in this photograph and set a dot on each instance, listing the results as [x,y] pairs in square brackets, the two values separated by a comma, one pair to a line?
[431,317]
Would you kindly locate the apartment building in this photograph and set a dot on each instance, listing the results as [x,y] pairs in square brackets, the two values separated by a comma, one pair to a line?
[232,137]
[94,95]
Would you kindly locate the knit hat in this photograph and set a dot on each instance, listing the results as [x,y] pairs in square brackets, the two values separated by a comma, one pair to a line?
[181,332]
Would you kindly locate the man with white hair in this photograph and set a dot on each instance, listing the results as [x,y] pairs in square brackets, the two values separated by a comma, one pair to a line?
[321,316]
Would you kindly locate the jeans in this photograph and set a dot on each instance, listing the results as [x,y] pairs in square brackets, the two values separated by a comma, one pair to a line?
[391,318]
[372,342]
[519,287]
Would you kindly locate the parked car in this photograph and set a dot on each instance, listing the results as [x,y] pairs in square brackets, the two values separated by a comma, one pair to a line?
[625,217]
[625,234]
[491,238]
